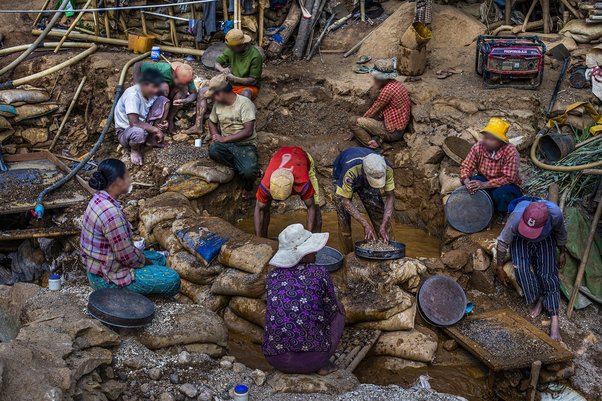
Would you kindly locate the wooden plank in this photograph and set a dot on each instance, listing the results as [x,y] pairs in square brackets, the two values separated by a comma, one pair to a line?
[507,318]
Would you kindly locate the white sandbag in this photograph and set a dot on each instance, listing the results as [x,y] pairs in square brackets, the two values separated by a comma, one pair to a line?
[412,345]
[250,309]
[242,327]
[250,258]
[190,269]
[234,282]
[167,206]
[12,96]
[28,111]
[215,173]
[189,186]
[202,295]
[398,322]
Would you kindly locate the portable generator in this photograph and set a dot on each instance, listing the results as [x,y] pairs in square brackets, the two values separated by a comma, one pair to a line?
[510,61]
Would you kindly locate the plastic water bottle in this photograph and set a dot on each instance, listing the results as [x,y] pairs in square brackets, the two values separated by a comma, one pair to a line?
[241,393]
[155,53]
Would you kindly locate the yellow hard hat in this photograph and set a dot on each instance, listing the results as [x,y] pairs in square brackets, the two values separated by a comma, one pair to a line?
[498,128]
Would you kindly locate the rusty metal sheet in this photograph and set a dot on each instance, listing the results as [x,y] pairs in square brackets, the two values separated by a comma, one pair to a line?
[503,340]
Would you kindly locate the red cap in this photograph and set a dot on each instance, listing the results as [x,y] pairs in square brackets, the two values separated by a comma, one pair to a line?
[533,220]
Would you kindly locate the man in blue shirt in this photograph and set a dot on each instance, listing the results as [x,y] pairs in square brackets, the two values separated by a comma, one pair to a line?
[532,233]
[365,172]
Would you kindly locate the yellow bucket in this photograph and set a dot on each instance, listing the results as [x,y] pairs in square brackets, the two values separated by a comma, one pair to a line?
[140,43]
[416,36]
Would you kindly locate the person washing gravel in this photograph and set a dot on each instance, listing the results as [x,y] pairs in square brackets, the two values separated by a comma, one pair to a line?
[532,233]
[107,247]
[304,320]
[291,170]
[363,171]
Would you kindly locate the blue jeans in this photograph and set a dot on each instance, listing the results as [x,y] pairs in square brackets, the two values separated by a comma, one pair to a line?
[151,279]
[501,196]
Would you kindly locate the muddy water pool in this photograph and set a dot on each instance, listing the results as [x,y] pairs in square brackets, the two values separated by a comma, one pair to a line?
[418,242]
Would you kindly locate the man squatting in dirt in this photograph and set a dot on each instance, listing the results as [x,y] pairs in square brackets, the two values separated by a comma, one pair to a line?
[140,116]
[387,118]
[291,170]
[232,129]
[532,233]
[177,86]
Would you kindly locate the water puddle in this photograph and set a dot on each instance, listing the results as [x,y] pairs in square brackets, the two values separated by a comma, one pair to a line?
[419,243]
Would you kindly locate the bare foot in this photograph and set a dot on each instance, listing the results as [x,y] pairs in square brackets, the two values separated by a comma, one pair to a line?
[194,130]
[537,308]
[327,369]
[136,157]
[373,144]
[555,329]
[349,137]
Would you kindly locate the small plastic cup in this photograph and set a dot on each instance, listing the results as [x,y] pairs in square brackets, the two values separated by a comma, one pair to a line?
[54,282]
[241,393]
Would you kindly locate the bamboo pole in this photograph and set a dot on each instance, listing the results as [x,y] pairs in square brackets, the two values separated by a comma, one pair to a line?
[172,29]
[196,44]
[107,25]
[118,42]
[35,22]
[68,113]
[531,8]
[96,21]
[545,5]
[260,17]
[143,20]
[225,9]
[72,26]
[236,7]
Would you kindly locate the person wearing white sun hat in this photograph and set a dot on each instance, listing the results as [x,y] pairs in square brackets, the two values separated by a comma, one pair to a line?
[304,320]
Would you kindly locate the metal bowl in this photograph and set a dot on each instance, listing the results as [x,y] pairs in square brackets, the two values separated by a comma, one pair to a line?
[397,253]
[441,301]
[469,213]
[121,308]
[330,258]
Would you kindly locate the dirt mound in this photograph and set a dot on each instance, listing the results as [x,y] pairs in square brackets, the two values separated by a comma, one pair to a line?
[452,28]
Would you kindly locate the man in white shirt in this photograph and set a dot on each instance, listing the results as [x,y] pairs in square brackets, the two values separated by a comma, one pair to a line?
[141,116]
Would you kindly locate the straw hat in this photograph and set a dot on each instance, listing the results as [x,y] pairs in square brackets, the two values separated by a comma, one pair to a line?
[375,168]
[281,184]
[295,242]
[236,37]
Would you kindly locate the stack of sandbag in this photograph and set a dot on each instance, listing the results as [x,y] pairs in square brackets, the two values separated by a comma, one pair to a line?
[21,113]
[378,295]
[197,178]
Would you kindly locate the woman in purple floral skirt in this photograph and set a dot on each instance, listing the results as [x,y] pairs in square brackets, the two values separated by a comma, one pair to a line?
[304,320]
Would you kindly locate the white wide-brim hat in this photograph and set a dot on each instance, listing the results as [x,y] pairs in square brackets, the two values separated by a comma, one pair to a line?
[295,242]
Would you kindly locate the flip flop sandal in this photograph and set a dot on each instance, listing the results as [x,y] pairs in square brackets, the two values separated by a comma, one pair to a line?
[362,70]
[442,74]
[363,59]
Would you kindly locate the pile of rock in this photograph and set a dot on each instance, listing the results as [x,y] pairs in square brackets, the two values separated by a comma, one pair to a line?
[23,118]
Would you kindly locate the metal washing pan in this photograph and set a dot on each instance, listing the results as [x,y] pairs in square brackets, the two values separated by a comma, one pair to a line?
[441,301]
[397,253]
[469,213]
[330,258]
[121,308]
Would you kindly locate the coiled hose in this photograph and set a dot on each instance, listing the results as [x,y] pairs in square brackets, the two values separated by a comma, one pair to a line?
[39,209]
[564,169]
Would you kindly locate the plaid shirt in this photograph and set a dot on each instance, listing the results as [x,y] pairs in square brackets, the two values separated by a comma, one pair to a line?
[106,242]
[499,168]
[393,102]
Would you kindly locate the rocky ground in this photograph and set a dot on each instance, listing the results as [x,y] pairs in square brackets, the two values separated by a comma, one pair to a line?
[306,104]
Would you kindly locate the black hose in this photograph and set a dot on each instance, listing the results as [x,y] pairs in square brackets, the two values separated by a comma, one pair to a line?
[39,209]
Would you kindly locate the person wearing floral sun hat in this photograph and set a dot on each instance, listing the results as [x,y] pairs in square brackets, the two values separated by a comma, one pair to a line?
[532,233]
[386,120]
[304,320]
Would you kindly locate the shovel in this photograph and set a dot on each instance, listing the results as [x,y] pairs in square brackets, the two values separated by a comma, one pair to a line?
[560,53]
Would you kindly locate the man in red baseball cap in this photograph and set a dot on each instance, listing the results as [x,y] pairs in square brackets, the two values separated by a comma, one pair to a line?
[532,233]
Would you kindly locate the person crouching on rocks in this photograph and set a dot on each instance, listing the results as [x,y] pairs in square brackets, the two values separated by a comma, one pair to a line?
[140,116]
[107,247]
[304,320]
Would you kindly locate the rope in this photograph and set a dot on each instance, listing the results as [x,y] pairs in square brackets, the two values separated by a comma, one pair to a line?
[109,8]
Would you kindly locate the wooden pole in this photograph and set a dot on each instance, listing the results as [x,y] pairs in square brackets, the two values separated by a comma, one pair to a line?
[35,22]
[534,379]
[363,10]
[172,28]
[545,5]
[357,45]
[68,113]
[508,12]
[96,21]
[531,8]
[260,17]
[72,26]
[107,25]
[196,44]
[143,21]
[584,259]
[225,9]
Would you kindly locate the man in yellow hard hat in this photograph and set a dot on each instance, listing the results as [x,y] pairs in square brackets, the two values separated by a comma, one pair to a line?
[493,165]
[242,63]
